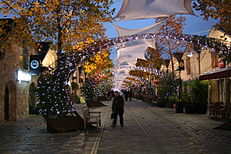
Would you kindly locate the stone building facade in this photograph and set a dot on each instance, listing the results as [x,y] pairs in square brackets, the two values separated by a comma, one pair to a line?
[14,94]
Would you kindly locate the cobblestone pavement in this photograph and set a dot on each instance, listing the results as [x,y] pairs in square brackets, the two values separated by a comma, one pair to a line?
[29,135]
[150,129]
[147,130]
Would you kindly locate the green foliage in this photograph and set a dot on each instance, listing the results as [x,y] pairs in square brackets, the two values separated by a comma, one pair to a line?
[88,90]
[74,86]
[75,98]
[185,97]
[168,86]
[198,91]
[52,103]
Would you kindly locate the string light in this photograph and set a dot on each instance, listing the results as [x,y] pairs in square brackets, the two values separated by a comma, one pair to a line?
[51,85]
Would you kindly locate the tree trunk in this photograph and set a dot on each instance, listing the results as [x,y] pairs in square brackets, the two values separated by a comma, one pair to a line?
[171,56]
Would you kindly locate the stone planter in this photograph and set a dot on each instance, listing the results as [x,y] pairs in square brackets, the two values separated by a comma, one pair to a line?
[202,108]
[190,108]
[64,124]
[179,107]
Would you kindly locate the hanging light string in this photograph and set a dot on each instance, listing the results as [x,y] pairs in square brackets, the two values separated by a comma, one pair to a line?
[54,97]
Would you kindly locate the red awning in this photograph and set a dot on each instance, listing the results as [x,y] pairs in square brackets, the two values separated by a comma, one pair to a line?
[221,73]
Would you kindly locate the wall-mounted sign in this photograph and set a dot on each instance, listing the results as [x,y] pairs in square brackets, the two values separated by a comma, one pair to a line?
[35,65]
[181,65]
[23,76]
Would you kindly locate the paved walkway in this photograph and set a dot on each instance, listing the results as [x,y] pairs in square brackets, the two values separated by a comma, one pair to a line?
[147,130]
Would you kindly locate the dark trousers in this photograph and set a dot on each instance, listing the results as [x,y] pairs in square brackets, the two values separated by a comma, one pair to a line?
[121,119]
[126,98]
[130,98]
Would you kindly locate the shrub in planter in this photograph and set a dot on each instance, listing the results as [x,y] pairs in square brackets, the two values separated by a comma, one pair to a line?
[172,100]
[168,85]
[199,94]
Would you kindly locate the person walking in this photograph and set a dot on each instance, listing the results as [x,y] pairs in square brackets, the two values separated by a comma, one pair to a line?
[130,95]
[117,109]
[126,95]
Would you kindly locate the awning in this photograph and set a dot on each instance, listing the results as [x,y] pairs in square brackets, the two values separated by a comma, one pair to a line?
[220,73]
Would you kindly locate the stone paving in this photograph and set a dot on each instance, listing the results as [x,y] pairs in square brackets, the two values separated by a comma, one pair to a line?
[147,130]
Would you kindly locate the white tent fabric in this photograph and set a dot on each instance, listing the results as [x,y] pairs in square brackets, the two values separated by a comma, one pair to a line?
[150,29]
[127,62]
[136,51]
[141,9]
[50,58]
[123,63]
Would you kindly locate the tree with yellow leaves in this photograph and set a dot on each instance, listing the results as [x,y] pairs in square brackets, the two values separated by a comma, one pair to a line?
[66,23]
[98,62]
[174,26]
[215,9]
[98,70]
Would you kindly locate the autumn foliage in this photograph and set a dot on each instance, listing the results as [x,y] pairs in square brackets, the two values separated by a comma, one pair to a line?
[98,62]
[66,23]
[215,9]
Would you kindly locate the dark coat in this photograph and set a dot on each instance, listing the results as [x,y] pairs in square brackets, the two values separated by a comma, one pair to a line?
[118,104]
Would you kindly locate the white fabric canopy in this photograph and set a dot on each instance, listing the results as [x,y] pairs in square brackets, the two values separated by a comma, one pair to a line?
[127,62]
[141,9]
[122,63]
[135,51]
[150,29]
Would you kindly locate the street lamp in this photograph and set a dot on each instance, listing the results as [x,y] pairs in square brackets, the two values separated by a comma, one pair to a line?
[189,54]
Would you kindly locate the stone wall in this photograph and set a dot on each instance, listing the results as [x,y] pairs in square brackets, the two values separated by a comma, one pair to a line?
[18,102]
[8,67]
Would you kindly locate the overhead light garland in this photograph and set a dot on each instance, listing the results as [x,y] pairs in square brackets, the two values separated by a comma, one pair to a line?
[54,97]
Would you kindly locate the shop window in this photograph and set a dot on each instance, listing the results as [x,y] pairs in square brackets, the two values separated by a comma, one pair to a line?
[188,65]
[220,90]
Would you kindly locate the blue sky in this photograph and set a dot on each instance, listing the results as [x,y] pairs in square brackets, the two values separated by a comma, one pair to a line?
[194,24]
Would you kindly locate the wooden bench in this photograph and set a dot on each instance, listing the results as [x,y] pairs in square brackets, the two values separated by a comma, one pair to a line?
[91,118]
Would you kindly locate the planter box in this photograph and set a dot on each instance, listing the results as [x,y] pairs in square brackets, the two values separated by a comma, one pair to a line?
[190,108]
[64,124]
[193,108]
[95,103]
[179,107]
[202,108]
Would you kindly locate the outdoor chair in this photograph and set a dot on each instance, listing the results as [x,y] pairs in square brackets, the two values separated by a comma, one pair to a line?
[91,118]
[228,111]
[217,110]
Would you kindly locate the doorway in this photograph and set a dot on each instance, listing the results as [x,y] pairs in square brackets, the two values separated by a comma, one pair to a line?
[10,98]
[6,104]
[32,99]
